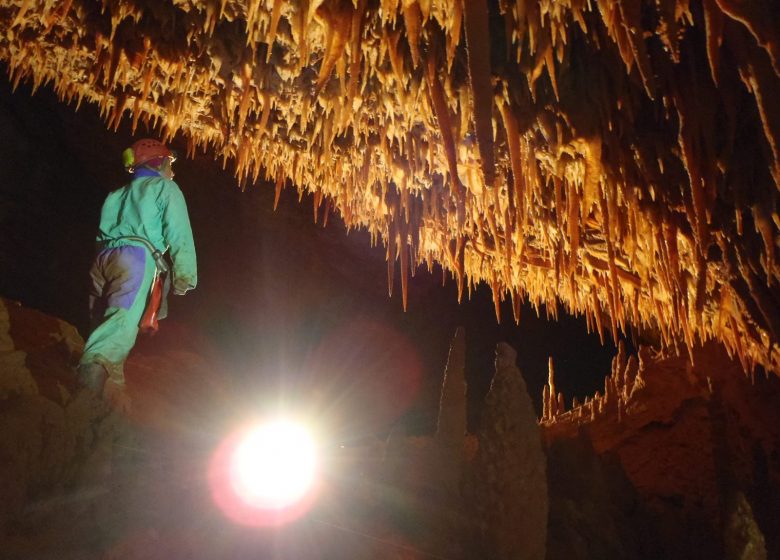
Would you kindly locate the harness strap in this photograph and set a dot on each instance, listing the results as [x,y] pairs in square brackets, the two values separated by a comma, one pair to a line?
[159,259]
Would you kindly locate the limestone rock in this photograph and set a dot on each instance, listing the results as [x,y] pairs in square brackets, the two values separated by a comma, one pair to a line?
[508,484]
[688,437]
[15,378]
[743,538]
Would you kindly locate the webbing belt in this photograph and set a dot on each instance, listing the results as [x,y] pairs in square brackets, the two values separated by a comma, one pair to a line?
[159,259]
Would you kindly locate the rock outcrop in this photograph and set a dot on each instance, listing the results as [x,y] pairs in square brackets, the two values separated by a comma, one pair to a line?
[678,462]
[509,473]
[80,480]
[699,443]
[55,440]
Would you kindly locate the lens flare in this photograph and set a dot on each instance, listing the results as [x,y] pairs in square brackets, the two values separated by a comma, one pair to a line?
[266,474]
[274,465]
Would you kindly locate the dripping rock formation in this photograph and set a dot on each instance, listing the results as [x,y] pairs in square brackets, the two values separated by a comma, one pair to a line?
[619,159]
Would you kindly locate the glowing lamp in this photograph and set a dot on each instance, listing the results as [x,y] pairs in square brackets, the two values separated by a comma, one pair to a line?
[265,475]
[274,465]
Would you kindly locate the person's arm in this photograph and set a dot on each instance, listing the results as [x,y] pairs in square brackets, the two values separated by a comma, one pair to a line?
[178,235]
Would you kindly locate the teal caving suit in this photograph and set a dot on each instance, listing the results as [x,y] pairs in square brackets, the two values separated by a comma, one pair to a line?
[153,208]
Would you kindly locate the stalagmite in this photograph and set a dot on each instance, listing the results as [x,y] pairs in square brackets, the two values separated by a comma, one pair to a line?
[629,375]
[451,426]
[509,484]
[552,402]
[546,411]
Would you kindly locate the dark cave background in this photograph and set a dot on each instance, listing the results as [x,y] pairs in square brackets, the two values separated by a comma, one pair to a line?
[279,297]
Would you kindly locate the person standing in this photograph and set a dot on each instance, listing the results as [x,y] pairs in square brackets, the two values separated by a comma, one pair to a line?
[138,224]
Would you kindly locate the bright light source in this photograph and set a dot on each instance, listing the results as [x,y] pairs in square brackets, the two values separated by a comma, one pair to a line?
[274,465]
[265,474]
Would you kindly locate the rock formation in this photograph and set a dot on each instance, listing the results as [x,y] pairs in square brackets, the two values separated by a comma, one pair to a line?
[79,480]
[618,158]
[55,441]
[509,484]
[679,462]
[484,494]
[698,443]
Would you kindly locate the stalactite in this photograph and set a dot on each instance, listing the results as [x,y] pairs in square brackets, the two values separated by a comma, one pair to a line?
[631,16]
[413,20]
[404,259]
[757,17]
[612,285]
[337,16]
[513,140]
[391,256]
[600,190]
[478,47]
[275,14]
[358,18]
[453,32]
[443,117]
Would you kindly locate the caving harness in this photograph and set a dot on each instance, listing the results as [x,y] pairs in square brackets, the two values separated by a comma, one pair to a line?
[159,257]
[157,301]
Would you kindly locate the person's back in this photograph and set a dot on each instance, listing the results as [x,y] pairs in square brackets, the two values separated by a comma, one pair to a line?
[153,208]
[135,210]
[138,223]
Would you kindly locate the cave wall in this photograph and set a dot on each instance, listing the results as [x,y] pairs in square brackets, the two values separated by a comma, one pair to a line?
[699,443]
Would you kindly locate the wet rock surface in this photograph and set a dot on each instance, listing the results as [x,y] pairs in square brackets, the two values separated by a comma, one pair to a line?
[56,440]
[689,468]
[698,442]
[84,480]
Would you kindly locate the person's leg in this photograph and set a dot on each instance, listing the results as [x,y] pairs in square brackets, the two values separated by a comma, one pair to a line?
[128,272]
[97,304]
[91,373]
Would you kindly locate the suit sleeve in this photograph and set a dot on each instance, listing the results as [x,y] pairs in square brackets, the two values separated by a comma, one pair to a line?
[178,235]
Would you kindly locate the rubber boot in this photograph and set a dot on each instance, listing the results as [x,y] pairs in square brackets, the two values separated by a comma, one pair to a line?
[93,376]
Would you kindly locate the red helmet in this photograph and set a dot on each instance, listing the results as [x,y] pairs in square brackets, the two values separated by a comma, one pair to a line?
[144,151]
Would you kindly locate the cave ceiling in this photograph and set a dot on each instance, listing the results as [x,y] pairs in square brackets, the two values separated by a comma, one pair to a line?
[617,159]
